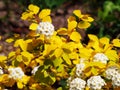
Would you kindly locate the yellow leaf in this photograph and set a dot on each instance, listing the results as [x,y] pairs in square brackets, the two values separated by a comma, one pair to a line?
[68,47]
[83,25]
[21,43]
[88,72]
[35,9]
[98,65]
[112,55]
[112,63]
[2,58]
[28,56]
[20,85]
[25,79]
[77,13]
[9,40]
[87,18]
[74,57]
[71,18]
[19,58]
[94,71]
[44,13]
[66,58]
[116,42]
[58,52]
[87,88]
[57,62]
[72,25]
[40,60]
[47,19]
[104,40]
[48,49]
[75,36]
[93,37]
[33,26]
[62,31]
[85,53]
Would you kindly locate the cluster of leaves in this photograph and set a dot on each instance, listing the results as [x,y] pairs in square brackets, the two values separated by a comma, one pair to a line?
[57,55]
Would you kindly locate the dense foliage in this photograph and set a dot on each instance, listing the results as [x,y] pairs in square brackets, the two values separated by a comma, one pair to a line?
[47,59]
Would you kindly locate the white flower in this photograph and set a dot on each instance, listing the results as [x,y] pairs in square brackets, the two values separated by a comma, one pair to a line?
[77,84]
[35,70]
[69,80]
[111,72]
[116,80]
[45,28]
[79,69]
[95,83]
[100,57]
[1,71]
[16,73]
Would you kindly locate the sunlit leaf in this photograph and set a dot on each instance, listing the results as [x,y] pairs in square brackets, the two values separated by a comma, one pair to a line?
[57,62]
[11,54]
[112,55]
[33,26]
[77,13]
[93,37]
[21,43]
[66,58]
[58,52]
[87,18]
[83,25]
[104,40]
[72,25]
[116,42]
[9,40]
[47,19]
[62,31]
[2,58]
[19,58]
[28,56]
[35,9]
[20,85]
[44,13]
[75,36]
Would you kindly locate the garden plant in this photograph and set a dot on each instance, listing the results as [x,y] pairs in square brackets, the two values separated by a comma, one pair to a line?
[50,59]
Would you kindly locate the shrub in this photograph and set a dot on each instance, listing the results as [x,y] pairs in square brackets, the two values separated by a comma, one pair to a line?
[49,59]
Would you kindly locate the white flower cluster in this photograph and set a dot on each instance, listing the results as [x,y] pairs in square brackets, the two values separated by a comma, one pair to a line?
[45,28]
[100,57]
[77,84]
[113,74]
[35,70]
[1,70]
[116,80]
[95,83]
[16,73]
[79,69]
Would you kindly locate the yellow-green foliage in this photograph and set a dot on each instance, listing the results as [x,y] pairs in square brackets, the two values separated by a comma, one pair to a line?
[57,55]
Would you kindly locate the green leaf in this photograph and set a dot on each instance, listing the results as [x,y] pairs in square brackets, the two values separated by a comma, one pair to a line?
[57,62]
[60,88]
[60,68]
[45,77]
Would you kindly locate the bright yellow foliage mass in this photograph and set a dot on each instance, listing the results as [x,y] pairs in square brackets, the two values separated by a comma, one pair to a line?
[45,62]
